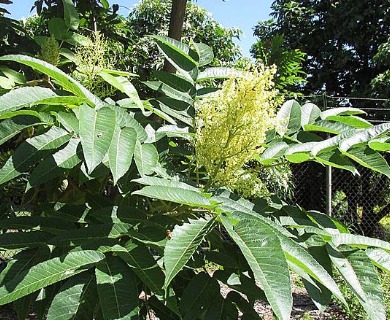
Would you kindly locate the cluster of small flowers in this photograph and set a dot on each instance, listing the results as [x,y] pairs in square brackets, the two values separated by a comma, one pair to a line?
[91,58]
[231,126]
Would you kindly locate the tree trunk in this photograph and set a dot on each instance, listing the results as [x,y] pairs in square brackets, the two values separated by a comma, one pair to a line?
[176,26]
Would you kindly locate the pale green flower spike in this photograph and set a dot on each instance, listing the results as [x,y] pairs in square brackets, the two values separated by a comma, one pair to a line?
[231,126]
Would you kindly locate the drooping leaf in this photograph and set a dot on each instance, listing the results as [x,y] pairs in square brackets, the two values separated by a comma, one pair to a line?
[67,82]
[123,85]
[141,261]
[174,194]
[369,159]
[96,132]
[145,157]
[71,16]
[121,151]
[48,272]
[21,97]
[178,54]
[32,151]
[260,245]
[198,296]
[169,91]
[74,298]
[185,239]
[335,159]
[117,289]
[55,165]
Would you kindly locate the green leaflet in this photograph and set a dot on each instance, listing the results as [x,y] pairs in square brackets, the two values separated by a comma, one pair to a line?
[22,97]
[182,196]
[120,153]
[71,16]
[179,55]
[96,132]
[145,157]
[154,181]
[289,117]
[369,158]
[56,164]
[48,272]
[260,245]
[123,85]
[117,289]
[205,53]
[175,81]
[76,299]
[140,260]
[67,82]
[15,125]
[342,111]
[198,296]
[372,300]
[309,114]
[358,241]
[32,151]
[380,258]
[182,245]
[364,136]
[92,234]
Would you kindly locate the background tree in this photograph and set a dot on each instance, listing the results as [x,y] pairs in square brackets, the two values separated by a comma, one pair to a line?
[153,17]
[340,39]
[289,76]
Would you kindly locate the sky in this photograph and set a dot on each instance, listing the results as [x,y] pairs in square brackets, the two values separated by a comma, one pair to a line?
[243,14]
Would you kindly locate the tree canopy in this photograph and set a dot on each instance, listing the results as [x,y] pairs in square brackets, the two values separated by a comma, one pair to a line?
[340,39]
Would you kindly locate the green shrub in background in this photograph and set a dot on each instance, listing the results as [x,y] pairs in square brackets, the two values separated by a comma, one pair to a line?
[121,219]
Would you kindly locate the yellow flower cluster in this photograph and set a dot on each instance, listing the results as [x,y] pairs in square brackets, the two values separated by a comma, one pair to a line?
[231,126]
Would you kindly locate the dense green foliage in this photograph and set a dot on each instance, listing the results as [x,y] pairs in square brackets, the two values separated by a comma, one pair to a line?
[104,191]
[120,217]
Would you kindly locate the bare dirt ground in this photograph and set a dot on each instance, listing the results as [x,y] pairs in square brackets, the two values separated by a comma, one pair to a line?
[302,307]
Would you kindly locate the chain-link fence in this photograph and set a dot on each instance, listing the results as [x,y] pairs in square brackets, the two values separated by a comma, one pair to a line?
[360,201]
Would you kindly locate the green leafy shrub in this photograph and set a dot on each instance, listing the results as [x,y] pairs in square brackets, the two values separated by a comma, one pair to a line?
[119,223]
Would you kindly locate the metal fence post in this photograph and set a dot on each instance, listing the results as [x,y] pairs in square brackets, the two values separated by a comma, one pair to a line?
[329,191]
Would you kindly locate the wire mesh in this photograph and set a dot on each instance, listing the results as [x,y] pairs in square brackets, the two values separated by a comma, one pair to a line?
[359,201]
